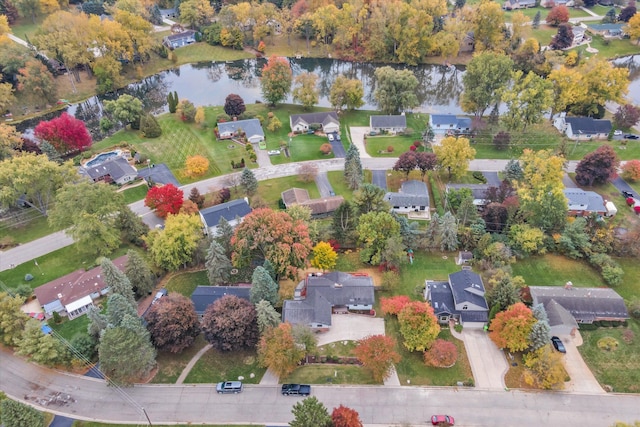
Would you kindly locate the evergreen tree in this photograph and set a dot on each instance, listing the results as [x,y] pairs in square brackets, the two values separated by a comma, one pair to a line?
[448,232]
[97,322]
[266,316]
[139,273]
[18,414]
[172,100]
[541,330]
[198,198]
[269,267]
[51,152]
[345,220]
[150,127]
[353,168]
[117,281]
[536,20]
[132,227]
[513,171]
[504,291]
[117,308]
[155,16]
[310,413]
[248,182]
[217,264]
[263,287]
[431,237]
[224,233]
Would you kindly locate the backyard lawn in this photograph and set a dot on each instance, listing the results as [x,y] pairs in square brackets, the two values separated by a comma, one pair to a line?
[186,282]
[610,48]
[271,189]
[215,366]
[28,225]
[171,365]
[556,270]
[135,193]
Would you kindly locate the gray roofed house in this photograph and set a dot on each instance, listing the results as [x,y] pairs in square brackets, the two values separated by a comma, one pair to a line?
[203,296]
[478,192]
[184,38]
[461,298]
[518,4]
[607,30]
[327,119]
[585,305]
[230,211]
[319,207]
[319,294]
[584,203]
[412,197]
[251,127]
[582,128]
[391,124]
[169,13]
[449,124]
[116,169]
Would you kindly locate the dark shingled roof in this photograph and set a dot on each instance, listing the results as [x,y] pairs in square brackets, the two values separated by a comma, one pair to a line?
[300,196]
[204,296]
[183,35]
[412,193]
[441,298]
[397,121]
[467,286]
[588,125]
[309,118]
[250,127]
[116,168]
[584,304]
[229,210]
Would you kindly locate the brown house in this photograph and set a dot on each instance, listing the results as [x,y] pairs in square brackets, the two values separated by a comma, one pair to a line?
[319,207]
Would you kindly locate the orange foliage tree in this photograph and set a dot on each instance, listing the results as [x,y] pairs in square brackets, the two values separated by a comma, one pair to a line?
[557,15]
[631,170]
[278,350]
[418,325]
[343,416]
[393,305]
[196,165]
[442,354]
[511,328]
[377,354]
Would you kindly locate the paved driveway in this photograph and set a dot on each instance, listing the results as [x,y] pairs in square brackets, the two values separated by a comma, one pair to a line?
[488,363]
[622,185]
[357,138]
[338,149]
[351,327]
[379,178]
[323,184]
[568,182]
[582,379]
[492,178]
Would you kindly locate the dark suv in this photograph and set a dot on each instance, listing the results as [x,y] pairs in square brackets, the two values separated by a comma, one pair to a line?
[558,344]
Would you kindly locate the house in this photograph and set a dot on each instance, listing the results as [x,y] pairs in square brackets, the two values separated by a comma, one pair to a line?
[468,43]
[518,4]
[582,128]
[389,124]
[567,306]
[464,257]
[319,295]
[578,35]
[232,211]
[551,3]
[607,30]
[72,295]
[181,39]
[478,192]
[584,203]
[203,296]
[250,128]
[320,208]
[327,120]
[412,197]
[461,299]
[116,170]
[169,13]
[449,124]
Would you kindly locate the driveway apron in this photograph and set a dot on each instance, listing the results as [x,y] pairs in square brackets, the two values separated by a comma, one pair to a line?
[488,364]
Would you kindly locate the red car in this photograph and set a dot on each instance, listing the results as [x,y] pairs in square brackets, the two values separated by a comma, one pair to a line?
[446,420]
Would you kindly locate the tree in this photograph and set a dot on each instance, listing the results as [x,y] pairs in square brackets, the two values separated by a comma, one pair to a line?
[266,316]
[89,213]
[631,170]
[612,85]
[310,413]
[526,240]
[97,322]
[165,200]
[196,197]
[248,182]
[117,281]
[186,111]
[196,13]
[426,162]
[217,264]
[118,308]
[544,369]
[276,80]
[395,90]
[528,99]
[610,17]
[224,233]
[536,20]
[36,83]
[540,331]
[324,257]
[126,355]
[126,109]
[406,163]
[306,91]
[511,329]
[513,170]
[393,305]
[353,174]
[65,133]
[627,13]
[489,26]
[347,93]
[12,319]
[200,118]
[626,116]
[229,324]
[278,350]
[447,232]
[597,167]
[174,246]
[307,172]
[344,223]
[139,274]
[418,326]
[558,15]
[442,354]
[374,229]
[196,165]
[377,355]
[505,290]
[263,287]
[234,105]
[149,126]
[132,227]
[502,140]
[369,198]
[173,323]
[18,414]
[274,236]
[10,140]
[454,154]
[564,38]
[343,416]
[487,74]
[41,348]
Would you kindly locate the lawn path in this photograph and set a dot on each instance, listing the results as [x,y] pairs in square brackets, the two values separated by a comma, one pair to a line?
[192,363]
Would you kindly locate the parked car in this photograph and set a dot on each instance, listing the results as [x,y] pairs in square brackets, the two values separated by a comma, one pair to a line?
[296,389]
[617,132]
[161,293]
[444,420]
[273,152]
[631,136]
[627,194]
[229,387]
[557,343]
[331,137]
[337,135]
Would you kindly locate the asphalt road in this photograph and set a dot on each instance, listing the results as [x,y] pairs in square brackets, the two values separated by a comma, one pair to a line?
[90,399]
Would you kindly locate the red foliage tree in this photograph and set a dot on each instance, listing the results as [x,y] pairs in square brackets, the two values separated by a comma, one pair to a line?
[564,37]
[425,162]
[343,416]
[65,133]
[234,105]
[598,167]
[393,305]
[442,354]
[377,354]
[558,15]
[173,323]
[326,148]
[230,324]
[165,200]
[406,162]
[627,116]
[631,170]
[510,329]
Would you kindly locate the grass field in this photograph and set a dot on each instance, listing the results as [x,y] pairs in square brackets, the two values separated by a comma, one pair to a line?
[134,194]
[531,13]
[610,48]
[556,270]
[215,366]
[330,374]
[171,365]
[28,225]
[186,282]
[271,189]
[544,33]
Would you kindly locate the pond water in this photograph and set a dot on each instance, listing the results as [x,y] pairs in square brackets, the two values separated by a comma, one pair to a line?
[209,83]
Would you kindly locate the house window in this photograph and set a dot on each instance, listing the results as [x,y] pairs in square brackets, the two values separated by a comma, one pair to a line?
[465,307]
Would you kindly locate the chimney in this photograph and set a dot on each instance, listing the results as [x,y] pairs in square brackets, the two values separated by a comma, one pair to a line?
[568,286]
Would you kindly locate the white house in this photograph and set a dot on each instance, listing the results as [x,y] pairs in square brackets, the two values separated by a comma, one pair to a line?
[449,124]
[232,212]
[184,38]
[251,128]
[412,197]
[582,128]
[327,120]
[390,124]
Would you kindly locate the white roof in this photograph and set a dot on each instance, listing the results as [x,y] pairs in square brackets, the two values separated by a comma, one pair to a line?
[84,301]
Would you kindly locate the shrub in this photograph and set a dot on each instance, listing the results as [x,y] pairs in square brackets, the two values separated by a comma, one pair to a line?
[627,336]
[413,148]
[28,277]
[458,328]
[607,344]
[390,149]
[442,354]
[480,177]
[634,308]
[393,305]
[150,127]
[325,148]
[417,143]
[7,242]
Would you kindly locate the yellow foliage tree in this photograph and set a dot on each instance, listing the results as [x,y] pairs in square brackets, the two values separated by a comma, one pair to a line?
[196,165]
[278,351]
[324,257]
[633,27]
[544,369]
[200,117]
[454,154]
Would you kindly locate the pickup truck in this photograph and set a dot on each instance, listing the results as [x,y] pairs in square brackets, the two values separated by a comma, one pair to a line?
[296,389]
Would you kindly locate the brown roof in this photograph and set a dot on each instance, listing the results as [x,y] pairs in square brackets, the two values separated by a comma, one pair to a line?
[294,195]
[75,285]
[323,205]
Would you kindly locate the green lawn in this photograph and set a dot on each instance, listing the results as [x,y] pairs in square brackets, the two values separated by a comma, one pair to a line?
[599,9]
[377,146]
[215,366]
[619,368]
[186,282]
[531,13]
[26,28]
[544,33]
[29,225]
[336,179]
[271,189]
[70,328]
[426,265]
[330,374]
[171,365]
[556,270]
[339,349]
[302,147]
[134,194]
[610,48]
